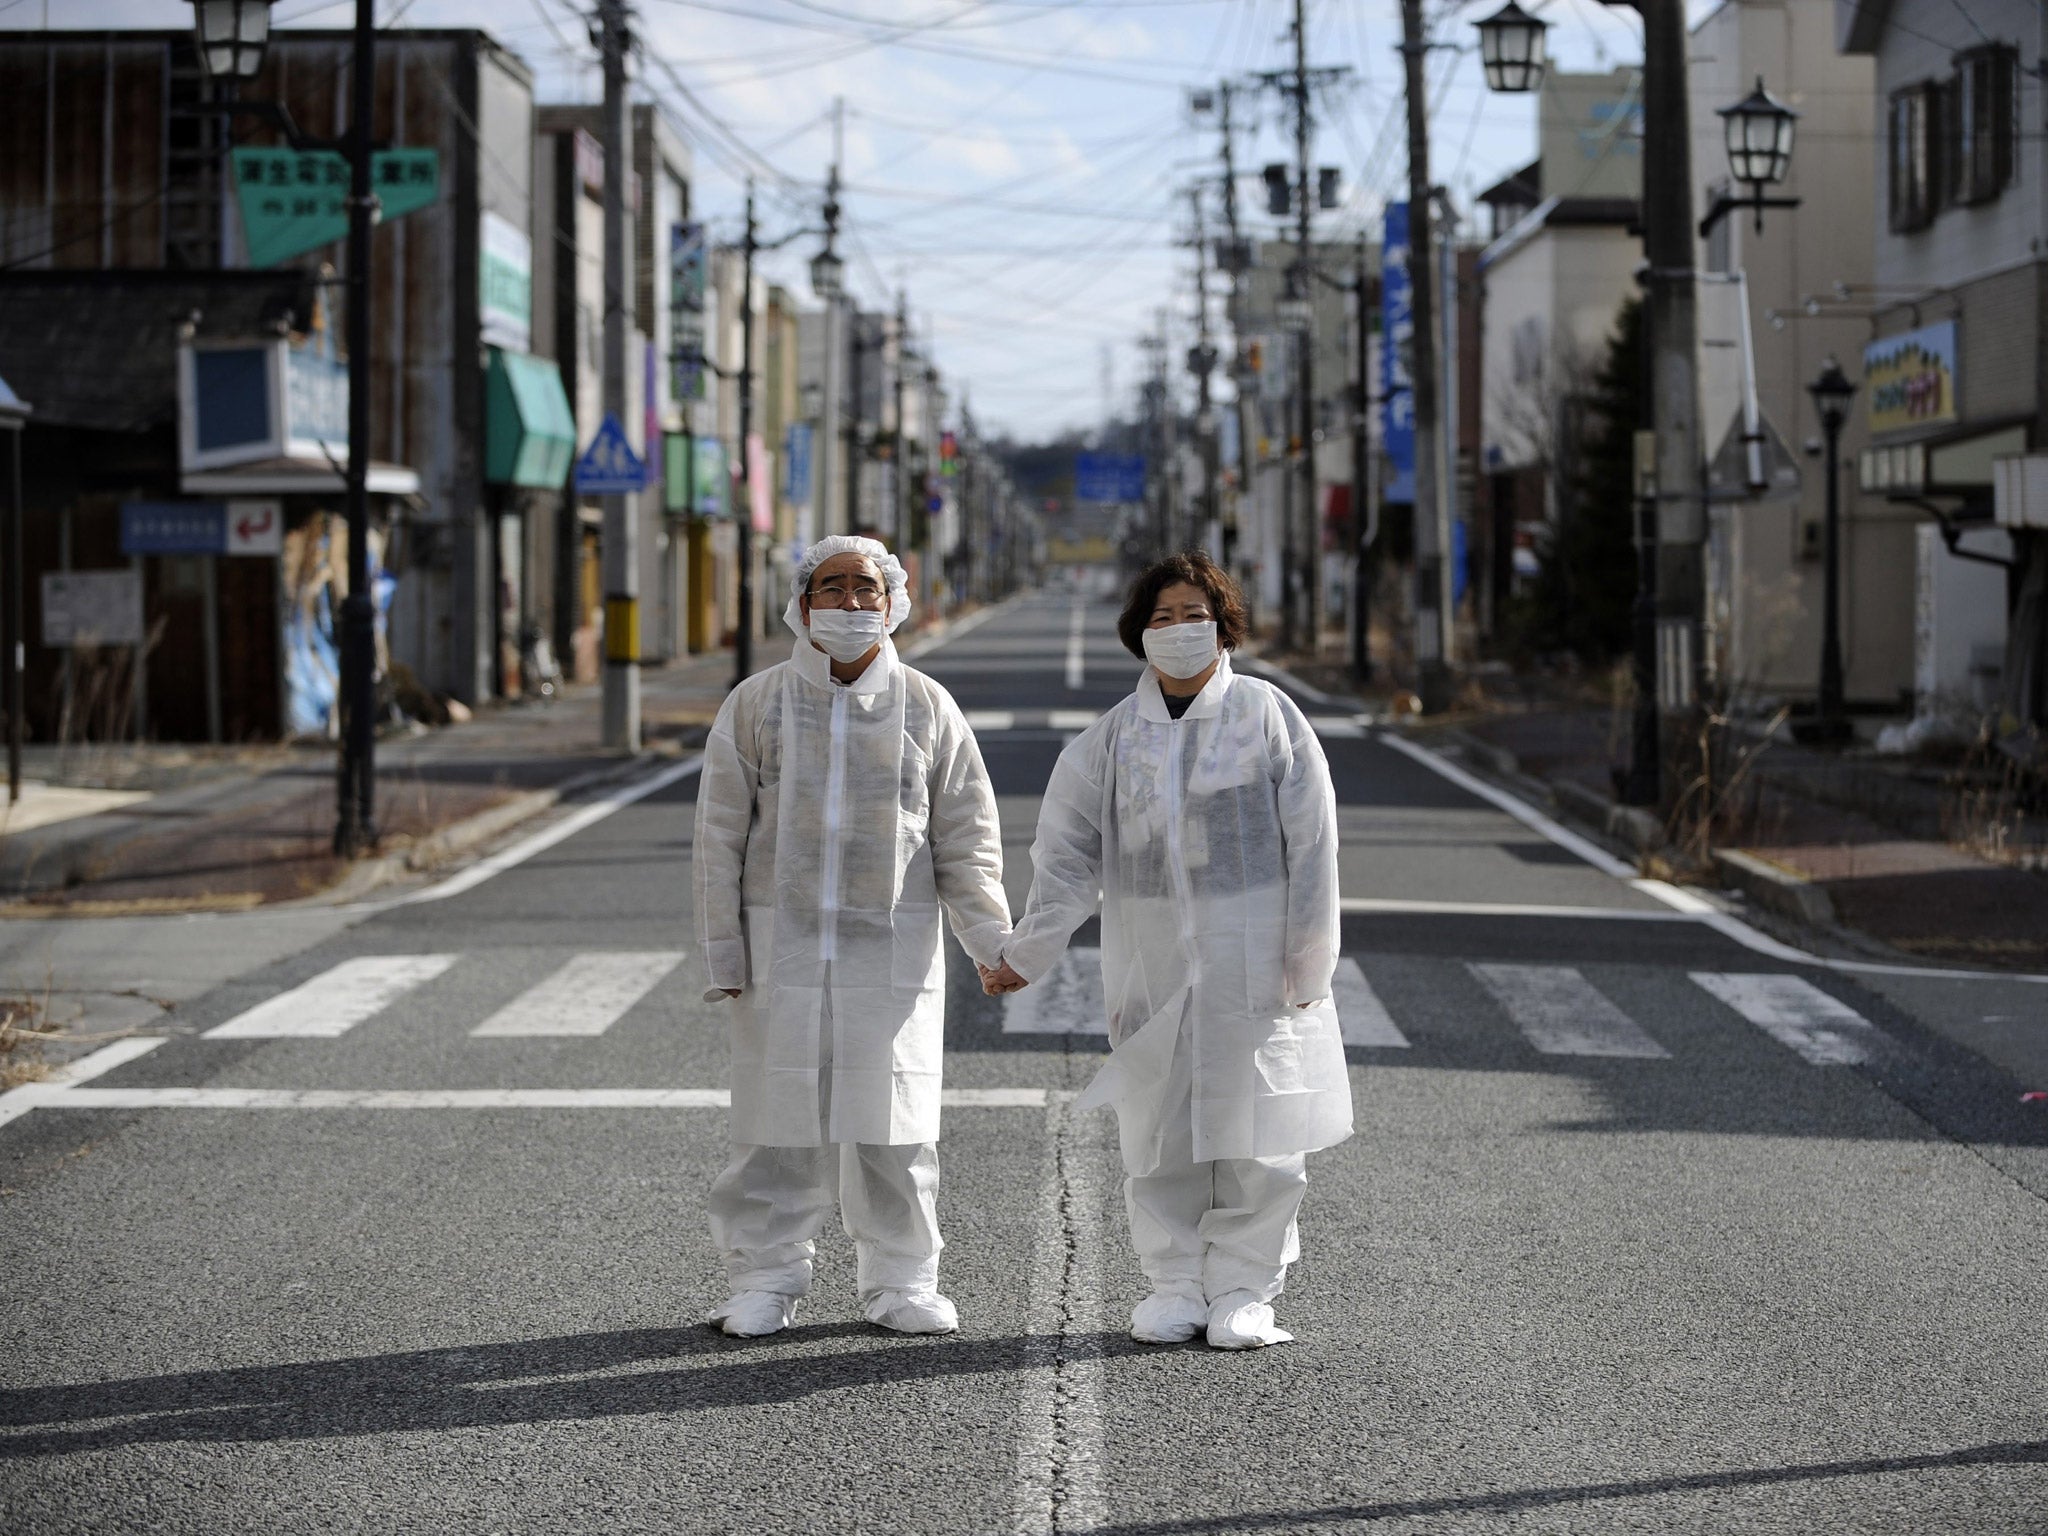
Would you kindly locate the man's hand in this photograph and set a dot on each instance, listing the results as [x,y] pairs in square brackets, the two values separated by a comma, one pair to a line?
[997,980]
[730,991]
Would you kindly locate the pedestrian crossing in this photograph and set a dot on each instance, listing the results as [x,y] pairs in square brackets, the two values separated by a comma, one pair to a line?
[1556,1010]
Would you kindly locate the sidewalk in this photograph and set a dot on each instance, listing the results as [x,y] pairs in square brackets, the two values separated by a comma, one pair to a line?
[169,828]
[1877,846]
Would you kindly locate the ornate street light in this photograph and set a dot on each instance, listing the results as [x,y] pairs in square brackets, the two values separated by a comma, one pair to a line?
[1831,392]
[828,275]
[1759,132]
[1758,129]
[232,35]
[1511,49]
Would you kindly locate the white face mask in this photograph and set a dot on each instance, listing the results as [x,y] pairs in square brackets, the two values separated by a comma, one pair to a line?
[1181,650]
[847,634]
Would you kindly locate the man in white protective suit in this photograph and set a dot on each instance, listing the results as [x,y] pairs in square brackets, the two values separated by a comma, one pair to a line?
[842,806]
[1200,813]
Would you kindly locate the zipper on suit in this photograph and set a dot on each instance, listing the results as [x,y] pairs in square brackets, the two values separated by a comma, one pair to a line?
[835,815]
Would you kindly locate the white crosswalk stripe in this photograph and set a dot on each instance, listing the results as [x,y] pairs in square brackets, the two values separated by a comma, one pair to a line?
[584,997]
[1793,1011]
[1360,1014]
[1562,1014]
[336,1000]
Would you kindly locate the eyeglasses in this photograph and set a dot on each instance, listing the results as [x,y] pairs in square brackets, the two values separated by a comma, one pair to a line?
[843,594]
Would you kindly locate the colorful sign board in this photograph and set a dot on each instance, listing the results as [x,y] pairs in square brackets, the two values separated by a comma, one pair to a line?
[609,466]
[1109,477]
[296,200]
[505,284]
[686,310]
[796,460]
[1909,380]
[202,527]
[1397,382]
[701,459]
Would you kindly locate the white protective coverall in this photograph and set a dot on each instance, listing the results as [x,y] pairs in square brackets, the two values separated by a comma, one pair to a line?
[1213,842]
[834,822]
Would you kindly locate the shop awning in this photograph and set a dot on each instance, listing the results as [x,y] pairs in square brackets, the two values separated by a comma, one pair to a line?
[529,430]
[297,477]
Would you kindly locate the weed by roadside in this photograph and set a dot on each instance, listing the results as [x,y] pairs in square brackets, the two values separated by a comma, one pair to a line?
[24,1026]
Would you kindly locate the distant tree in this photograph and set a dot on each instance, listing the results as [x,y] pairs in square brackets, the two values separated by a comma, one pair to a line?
[1585,585]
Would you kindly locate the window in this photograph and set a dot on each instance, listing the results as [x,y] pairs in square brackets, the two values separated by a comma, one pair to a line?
[1915,143]
[1720,252]
[1982,155]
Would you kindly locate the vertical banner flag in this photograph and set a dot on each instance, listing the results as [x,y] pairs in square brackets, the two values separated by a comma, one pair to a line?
[686,310]
[1397,351]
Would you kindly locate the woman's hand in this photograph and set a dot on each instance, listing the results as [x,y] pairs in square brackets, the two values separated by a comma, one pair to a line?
[999,979]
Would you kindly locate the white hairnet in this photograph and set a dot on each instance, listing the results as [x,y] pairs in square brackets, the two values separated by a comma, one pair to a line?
[893,576]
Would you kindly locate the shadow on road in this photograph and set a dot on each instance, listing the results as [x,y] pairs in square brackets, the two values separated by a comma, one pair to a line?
[493,1384]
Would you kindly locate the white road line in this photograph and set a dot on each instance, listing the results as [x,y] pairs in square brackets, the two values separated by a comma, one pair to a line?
[1794,1012]
[1344,729]
[1562,1014]
[1077,670]
[1067,1000]
[336,1000]
[588,816]
[1060,1443]
[966,626]
[1280,674]
[17,1102]
[1527,815]
[585,997]
[1708,915]
[1361,1015]
[1072,719]
[1367,904]
[465,1098]
[979,720]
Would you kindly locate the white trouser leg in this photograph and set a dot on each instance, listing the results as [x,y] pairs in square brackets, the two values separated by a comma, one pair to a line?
[1249,1235]
[888,1201]
[766,1209]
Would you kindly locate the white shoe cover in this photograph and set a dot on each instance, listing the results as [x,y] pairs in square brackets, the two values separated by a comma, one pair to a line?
[750,1314]
[1168,1317]
[912,1312]
[1239,1320]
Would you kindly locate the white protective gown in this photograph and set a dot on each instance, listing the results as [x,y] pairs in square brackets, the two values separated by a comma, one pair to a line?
[833,824]
[1213,842]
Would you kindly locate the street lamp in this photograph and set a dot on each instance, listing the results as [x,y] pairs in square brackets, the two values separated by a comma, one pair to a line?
[232,35]
[1831,393]
[1511,49]
[828,275]
[1758,131]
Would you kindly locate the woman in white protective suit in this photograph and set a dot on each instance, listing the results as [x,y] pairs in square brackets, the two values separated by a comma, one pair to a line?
[1201,809]
[843,805]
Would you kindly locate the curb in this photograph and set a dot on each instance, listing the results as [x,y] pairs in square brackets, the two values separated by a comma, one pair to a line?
[1632,827]
[1780,890]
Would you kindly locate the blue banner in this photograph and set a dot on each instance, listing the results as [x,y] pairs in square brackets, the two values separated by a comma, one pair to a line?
[1397,343]
[1109,477]
[796,457]
[174,528]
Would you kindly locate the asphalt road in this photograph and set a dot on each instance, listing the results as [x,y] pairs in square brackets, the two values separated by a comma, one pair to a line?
[1649,1225]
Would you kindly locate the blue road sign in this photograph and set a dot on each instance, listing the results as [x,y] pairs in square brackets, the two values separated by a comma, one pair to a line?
[609,466]
[174,528]
[1397,350]
[1109,477]
[796,456]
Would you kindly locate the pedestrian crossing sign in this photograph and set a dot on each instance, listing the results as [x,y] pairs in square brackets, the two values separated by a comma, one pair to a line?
[609,466]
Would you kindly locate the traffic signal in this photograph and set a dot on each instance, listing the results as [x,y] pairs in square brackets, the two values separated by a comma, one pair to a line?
[1279,190]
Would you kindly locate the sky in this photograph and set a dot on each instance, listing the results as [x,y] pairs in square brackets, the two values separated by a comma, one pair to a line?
[1020,169]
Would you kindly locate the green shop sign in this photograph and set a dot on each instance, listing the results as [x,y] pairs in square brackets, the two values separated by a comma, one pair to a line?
[296,200]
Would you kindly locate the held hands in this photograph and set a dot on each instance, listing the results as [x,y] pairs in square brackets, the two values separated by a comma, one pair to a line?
[999,979]
[730,991]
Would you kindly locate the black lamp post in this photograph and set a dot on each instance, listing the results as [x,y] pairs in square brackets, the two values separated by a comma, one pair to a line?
[1758,131]
[1831,393]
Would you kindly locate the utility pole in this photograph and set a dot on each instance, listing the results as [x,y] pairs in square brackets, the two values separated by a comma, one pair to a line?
[1432,663]
[856,387]
[1202,362]
[355,826]
[899,513]
[1310,572]
[621,527]
[1365,491]
[1235,265]
[743,523]
[824,472]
